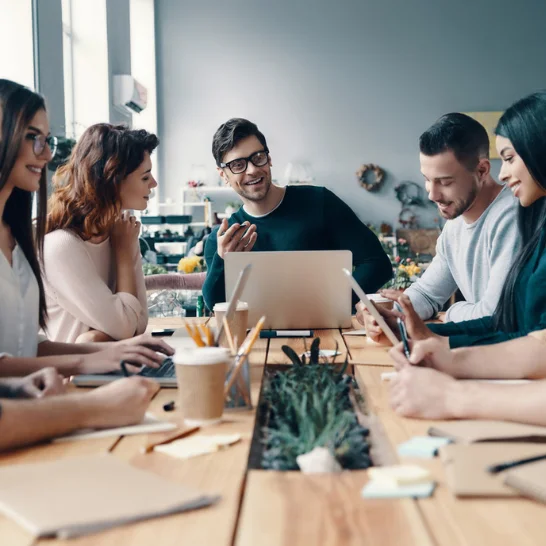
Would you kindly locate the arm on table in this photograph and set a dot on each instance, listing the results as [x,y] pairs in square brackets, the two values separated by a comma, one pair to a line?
[24,422]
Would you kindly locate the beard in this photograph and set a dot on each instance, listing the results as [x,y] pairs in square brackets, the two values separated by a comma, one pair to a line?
[256,196]
[460,206]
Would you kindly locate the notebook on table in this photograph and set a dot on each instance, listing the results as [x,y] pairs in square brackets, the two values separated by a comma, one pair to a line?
[529,480]
[466,466]
[469,431]
[78,496]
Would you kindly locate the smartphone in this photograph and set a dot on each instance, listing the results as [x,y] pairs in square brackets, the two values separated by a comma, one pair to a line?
[404,336]
[163,332]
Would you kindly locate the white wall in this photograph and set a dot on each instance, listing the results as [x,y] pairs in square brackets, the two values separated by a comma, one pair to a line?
[337,84]
[16,43]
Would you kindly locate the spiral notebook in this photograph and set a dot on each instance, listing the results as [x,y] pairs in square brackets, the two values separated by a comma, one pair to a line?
[78,496]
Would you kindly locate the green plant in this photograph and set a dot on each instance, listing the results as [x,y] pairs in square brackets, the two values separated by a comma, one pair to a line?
[310,407]
[153,269]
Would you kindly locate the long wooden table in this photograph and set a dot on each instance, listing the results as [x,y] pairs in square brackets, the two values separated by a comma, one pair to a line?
[265,508]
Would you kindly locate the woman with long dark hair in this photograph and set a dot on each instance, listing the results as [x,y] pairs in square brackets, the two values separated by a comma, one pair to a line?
[26,147]
[92,267]
[521,142]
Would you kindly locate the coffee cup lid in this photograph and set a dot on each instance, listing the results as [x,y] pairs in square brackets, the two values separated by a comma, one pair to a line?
[222,306]
[200,356]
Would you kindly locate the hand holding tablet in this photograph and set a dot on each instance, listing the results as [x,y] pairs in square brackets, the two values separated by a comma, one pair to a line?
[371,308]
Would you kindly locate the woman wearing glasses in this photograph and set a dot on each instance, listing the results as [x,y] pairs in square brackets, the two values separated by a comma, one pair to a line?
[25,149]
[93,275]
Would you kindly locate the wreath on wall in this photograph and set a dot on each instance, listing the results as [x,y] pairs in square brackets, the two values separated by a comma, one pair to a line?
[409,193]
[370,176]
[407,218]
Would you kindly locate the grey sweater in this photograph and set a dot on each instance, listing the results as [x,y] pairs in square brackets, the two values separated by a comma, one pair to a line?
[472,257]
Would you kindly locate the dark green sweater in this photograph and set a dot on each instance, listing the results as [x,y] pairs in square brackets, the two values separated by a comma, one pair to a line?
[309,218]
[530,300]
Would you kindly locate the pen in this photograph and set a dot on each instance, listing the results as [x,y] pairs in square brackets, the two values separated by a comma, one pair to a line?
[285,333]
[123,366]
[177,435]
[494,469]
[404,336]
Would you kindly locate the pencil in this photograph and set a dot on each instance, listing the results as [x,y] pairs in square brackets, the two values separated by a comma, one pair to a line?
[194,335]
[180,433]
[208,335]
[229,337]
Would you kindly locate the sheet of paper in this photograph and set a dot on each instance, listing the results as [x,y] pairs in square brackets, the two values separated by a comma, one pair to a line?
[148,425]
[186,448]
[361,332]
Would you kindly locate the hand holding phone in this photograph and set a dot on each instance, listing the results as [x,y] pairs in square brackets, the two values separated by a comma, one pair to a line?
[404,337]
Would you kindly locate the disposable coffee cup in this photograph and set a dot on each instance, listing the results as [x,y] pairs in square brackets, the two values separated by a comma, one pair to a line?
[238,324]
[381,301]
[201,375]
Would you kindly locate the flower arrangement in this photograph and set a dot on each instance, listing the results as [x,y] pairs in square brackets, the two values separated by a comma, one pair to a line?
[405,274]
[192,264]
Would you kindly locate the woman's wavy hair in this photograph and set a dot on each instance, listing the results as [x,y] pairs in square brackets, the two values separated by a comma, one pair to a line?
[524,124]
[18,105]
[86,196]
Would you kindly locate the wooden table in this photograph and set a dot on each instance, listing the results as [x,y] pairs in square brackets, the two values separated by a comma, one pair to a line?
[262,508]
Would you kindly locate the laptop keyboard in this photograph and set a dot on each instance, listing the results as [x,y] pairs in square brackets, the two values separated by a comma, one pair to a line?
[165,370]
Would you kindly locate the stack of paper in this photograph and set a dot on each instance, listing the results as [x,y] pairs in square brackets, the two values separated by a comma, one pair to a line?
[398,481]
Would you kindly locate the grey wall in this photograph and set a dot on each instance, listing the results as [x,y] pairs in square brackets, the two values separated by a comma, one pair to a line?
[338,84]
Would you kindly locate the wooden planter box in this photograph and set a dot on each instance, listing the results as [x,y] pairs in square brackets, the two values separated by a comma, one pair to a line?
[380,450]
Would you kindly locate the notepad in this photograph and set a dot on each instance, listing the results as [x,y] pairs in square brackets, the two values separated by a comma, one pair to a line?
[78,496]
[469,431]
[398,475]
[148,425]
[529,480]
[425,447]
[373,490]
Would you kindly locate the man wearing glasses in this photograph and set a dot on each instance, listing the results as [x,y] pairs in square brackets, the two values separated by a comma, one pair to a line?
[281,218]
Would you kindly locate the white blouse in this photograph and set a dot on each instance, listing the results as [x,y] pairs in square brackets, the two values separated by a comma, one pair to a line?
[19,306]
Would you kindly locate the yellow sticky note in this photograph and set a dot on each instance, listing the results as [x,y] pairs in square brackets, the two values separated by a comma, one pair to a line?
[397,475]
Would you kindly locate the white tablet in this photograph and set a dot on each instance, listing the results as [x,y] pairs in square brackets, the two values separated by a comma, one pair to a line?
[371,308]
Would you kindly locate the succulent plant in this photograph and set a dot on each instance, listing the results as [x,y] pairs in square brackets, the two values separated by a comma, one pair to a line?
[309,407]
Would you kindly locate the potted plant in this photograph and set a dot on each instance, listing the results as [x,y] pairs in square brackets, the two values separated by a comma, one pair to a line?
[307,407]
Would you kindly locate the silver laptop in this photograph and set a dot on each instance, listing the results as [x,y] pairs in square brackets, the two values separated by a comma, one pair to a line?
[165,375]
[294,289]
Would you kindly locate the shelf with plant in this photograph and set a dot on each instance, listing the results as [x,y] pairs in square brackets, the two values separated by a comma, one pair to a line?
[304,406]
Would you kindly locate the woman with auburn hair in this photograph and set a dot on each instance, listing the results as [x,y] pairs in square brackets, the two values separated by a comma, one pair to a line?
[93,275]
[26,147]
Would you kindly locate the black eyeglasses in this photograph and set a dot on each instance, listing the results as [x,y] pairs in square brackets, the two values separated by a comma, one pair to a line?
[239,165]
[40,142]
